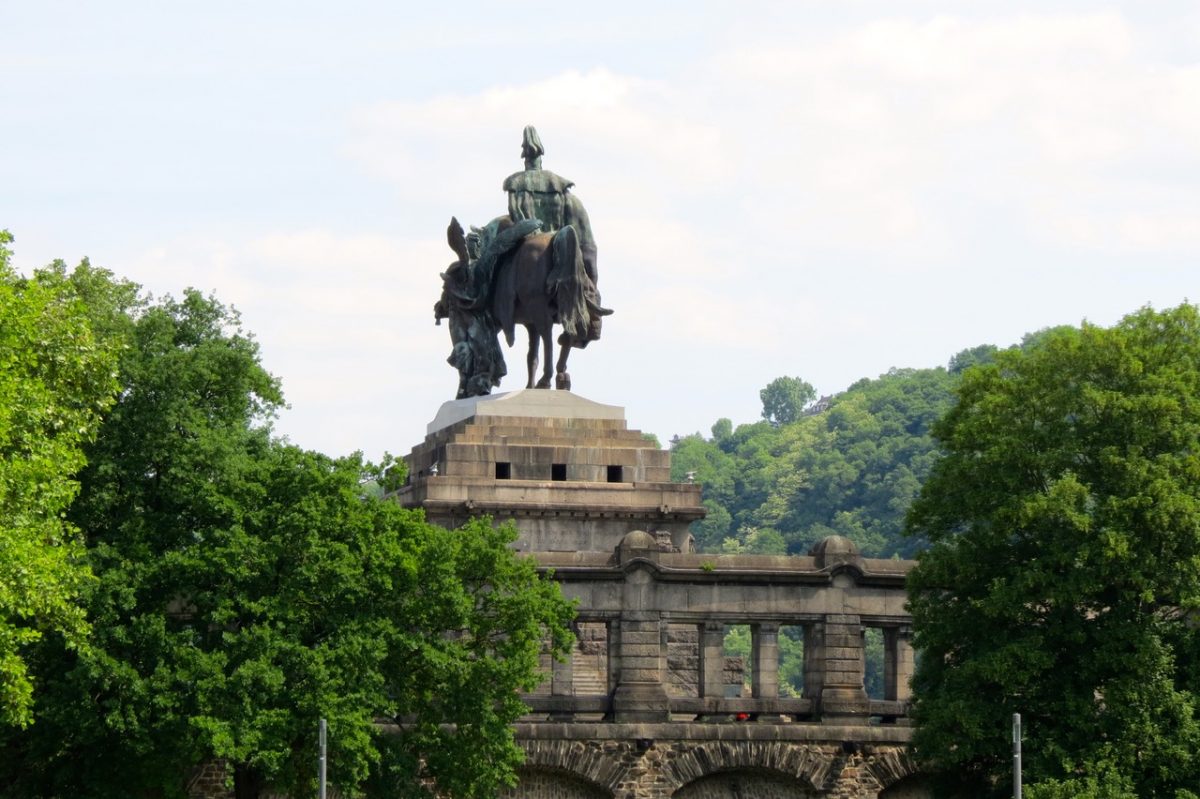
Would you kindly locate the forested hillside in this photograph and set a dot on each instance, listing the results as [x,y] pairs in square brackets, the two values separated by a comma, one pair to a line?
[849,464]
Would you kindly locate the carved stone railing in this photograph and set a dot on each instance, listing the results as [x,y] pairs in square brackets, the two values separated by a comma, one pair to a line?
[656,622]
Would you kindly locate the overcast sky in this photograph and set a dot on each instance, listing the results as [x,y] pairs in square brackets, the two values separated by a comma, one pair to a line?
[825,190]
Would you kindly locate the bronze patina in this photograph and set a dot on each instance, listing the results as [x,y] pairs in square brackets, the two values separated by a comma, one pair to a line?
[536,267]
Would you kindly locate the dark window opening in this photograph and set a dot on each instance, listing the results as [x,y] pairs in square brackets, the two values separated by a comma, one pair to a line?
[558,471]
[614,474]
[503,471]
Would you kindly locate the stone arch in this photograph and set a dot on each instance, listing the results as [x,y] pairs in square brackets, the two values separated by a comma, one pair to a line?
[911,787]
[890,766]
[736,784]
[583,761]
[553,783]
[808,766]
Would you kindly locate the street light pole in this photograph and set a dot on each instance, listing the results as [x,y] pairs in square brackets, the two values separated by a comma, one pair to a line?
[321,761]
[1016,756]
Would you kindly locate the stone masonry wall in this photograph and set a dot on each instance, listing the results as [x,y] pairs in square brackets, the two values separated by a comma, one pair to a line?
[710,769]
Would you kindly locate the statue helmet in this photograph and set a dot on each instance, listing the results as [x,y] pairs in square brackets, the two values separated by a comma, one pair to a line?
[531,143]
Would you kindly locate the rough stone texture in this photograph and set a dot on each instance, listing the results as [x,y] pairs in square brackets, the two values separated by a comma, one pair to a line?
[741,784]
[644,764]
[553,784]
[649,706]
[577,479]
[208,782]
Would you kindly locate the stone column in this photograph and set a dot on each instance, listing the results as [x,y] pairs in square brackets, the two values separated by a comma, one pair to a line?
[842,693]
[641,693]
[764,676]
[814,662]
[764,643]
[562,680]
[905,664]
[613,652]
[712,659]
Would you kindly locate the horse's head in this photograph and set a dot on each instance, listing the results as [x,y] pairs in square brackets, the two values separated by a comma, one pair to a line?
[458,241]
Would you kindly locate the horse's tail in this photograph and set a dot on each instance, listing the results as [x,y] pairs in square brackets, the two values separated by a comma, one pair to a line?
[567,284]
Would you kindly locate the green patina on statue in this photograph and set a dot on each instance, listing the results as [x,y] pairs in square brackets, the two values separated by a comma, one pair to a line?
[535,267]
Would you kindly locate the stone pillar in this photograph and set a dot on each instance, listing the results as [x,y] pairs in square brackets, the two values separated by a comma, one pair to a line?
[764,676]
[905,664]
[764,643]
[712,659]
[562,680]
[613,653]
[641,693]
[814,662]
[842,694]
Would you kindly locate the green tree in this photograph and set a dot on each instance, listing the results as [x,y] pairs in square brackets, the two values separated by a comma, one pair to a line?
[1065,529]
[784,399]
[246,588]
[56,379]
[984,353]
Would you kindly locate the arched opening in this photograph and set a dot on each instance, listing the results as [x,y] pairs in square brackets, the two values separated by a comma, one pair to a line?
[745,784]
[539,783]
[911,787]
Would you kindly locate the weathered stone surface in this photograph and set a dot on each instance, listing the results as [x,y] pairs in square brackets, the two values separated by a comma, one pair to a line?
[649,705]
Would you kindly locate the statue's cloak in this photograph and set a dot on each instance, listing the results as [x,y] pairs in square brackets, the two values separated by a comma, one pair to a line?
[538,194]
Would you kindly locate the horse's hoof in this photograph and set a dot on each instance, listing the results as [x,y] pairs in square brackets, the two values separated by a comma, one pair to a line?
[543,383]
[562,381]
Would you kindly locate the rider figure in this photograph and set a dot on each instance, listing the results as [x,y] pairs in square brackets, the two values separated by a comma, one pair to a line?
[537,193]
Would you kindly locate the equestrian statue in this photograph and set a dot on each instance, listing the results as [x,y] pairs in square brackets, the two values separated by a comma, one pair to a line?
[536,267]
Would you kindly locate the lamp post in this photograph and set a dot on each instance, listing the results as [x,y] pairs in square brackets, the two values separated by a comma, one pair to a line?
[321,761]
[1016,755]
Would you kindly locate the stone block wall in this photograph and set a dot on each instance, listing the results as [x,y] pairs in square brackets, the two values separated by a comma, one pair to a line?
[647,763]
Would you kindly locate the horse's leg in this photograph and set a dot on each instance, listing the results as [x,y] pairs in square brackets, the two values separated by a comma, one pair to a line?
[562,380]
[548,351]
[531,360]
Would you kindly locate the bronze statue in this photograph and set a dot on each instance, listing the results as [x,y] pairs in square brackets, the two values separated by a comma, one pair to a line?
[537,193]
[535,267]
[475,352]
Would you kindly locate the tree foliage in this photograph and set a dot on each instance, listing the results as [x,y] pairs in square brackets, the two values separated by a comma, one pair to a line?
[1065,529]
[56,379]
[784,399]
[246,588]
[850,470]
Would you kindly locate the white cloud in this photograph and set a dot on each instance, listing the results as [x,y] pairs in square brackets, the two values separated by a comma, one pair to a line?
[866,194]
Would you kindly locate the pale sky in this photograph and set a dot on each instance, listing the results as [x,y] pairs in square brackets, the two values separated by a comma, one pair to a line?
[818,189]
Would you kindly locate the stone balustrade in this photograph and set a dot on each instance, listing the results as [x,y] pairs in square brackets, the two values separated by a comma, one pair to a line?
[656,623]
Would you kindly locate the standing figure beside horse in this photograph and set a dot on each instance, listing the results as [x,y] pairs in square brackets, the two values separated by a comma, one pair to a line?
[535,267]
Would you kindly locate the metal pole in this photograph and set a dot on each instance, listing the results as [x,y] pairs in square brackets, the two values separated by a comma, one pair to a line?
[321,761]
[1016,756]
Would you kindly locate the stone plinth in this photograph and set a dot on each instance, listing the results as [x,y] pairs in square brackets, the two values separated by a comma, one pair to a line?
[567,470]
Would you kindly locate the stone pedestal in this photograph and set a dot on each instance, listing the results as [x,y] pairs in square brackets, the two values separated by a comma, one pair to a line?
[567,470]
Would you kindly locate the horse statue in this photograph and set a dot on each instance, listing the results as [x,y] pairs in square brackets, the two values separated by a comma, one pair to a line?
[519,276]
[535,267]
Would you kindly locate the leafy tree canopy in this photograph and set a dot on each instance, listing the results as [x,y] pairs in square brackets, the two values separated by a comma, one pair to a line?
[850,470]
[784,399]
[56,379]
[1065,528]
[246,588]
